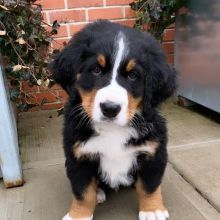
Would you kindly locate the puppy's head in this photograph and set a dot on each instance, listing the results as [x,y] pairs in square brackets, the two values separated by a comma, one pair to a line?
[117,72]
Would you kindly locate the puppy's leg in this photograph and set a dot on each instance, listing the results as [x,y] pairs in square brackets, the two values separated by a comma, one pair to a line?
[83,209]
[151,205]
[84,187]
[151,171]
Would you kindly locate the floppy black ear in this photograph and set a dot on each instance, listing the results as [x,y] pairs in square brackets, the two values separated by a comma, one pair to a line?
[163,79]
[67,63]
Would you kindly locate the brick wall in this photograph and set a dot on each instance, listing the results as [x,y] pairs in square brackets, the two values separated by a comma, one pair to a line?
[74,15]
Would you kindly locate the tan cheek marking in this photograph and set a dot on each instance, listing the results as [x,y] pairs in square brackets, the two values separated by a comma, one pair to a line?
[85,208]
[102,61]
[130,66]
[149,202]
[88,100]
[133,104]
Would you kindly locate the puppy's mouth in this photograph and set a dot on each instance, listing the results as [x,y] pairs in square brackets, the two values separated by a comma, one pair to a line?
[106,119]
[109,120]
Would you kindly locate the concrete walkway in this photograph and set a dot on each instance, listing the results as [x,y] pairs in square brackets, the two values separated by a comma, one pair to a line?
[191,185]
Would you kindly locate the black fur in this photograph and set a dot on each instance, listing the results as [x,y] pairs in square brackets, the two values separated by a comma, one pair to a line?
[156,82]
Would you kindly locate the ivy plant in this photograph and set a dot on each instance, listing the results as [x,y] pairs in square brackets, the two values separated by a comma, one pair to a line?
[25,46]
[156,15]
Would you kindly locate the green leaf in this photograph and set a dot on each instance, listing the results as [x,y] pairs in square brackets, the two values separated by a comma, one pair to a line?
[14,93]
[25,44]
[156,13]
[20,20]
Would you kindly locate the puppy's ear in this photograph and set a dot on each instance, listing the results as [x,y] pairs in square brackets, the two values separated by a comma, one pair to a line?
[163,79]
[67,63]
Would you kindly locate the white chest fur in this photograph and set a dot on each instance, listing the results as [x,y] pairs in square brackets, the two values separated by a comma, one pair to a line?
[115,158]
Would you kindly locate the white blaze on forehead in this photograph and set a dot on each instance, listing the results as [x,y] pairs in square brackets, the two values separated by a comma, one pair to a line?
[120,54]
[114,92]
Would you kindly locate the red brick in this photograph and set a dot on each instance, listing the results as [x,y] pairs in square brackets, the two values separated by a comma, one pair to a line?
[171,26]
[84,3]
[75,28]
[105,13]
[54,87]
[67,16]
[26,88]
[48,97]
[129,13]
[48,106]
[44,15]
[118,2]
[59,43]
[168,47]
[34,109]
[51,4]
[169,35]
[61,31]
[63,95]
[129,23]
[170,58]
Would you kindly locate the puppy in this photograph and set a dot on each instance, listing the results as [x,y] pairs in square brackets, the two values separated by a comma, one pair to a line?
[113,135]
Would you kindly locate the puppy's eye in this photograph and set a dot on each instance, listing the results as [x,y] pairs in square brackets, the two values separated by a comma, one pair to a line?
[132,76]
[97,71]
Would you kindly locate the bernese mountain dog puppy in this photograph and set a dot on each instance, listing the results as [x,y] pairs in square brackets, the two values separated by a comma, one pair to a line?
[113,134]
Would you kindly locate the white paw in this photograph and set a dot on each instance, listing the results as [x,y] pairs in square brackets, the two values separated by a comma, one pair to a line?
[67,217]
[101,197]
[157,215]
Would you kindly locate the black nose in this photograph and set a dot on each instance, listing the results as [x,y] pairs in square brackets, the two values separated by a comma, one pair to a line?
[110,109]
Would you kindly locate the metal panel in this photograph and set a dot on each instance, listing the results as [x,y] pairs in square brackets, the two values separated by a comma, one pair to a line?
[9,153]
[197,53]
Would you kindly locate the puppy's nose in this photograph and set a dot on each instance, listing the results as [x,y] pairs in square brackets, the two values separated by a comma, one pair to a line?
[110,109]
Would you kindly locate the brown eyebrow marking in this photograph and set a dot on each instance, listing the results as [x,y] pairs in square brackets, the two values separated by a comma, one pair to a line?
[101,59]
[131,64]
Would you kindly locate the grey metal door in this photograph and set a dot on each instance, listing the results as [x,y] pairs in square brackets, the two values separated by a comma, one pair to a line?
[197,53]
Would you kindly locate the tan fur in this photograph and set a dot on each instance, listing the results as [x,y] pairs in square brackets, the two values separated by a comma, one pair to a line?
[86,207]
[149,202]
[130,66]
[152,145]
[87,100]
[77,150]
[133,104]
[101,59]
[77,76]
[79,153]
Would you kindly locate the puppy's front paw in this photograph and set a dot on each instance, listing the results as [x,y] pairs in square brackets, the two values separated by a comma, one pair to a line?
[68,217]
[156,215]
[101,197]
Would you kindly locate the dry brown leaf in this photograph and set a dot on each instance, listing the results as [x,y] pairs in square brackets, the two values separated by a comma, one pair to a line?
[17,68]
[21,40]
[2,33]
[39,82]
[2,6]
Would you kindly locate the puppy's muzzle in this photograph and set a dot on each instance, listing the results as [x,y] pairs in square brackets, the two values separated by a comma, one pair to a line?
[110,109]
